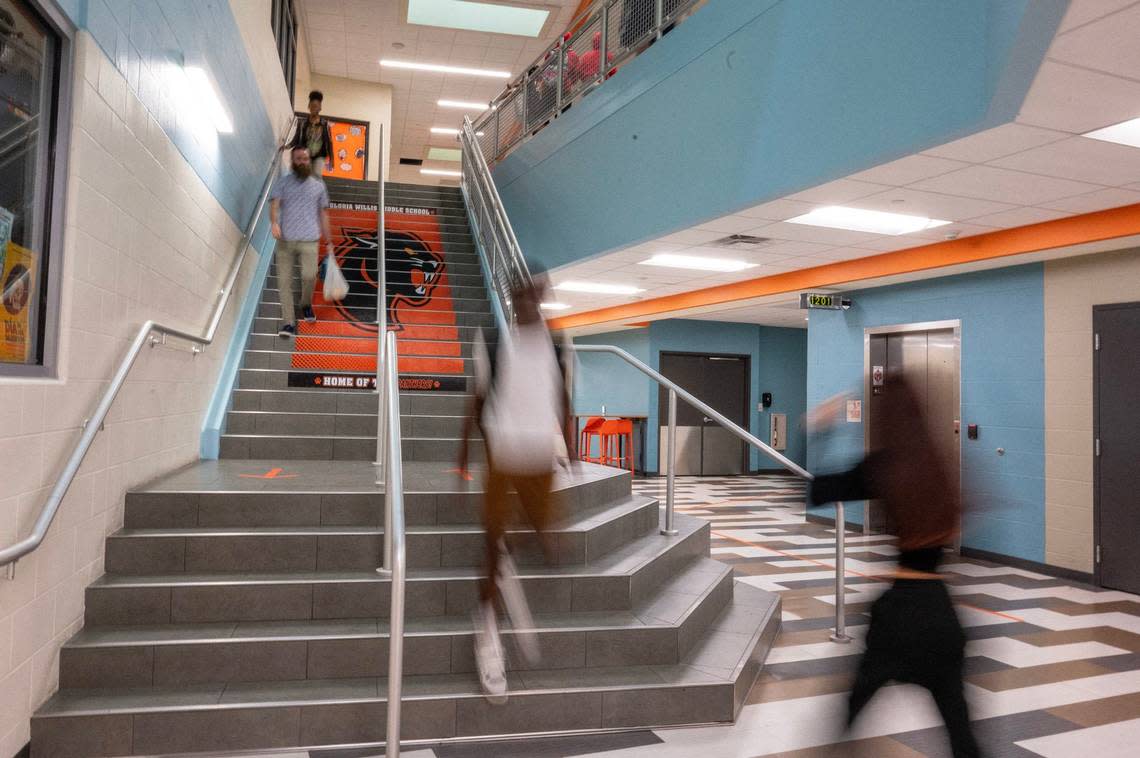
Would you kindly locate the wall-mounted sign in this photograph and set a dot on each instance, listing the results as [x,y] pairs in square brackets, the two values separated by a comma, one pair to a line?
[818,300]
[877,378]
[854,411]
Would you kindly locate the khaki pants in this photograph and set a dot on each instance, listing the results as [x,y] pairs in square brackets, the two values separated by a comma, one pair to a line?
[534,495]
[287,254]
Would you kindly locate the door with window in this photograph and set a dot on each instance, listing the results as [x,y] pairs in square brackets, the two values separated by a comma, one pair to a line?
[704,447]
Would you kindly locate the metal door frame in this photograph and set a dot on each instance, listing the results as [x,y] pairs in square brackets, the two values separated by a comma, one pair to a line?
[919,326]
[1096,431]
[746,423]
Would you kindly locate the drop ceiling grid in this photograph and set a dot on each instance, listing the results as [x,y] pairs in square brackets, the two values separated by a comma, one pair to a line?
[347,38]
[1035,169]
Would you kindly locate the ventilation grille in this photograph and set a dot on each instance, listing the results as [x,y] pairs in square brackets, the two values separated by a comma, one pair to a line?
[411,161]
[741,242]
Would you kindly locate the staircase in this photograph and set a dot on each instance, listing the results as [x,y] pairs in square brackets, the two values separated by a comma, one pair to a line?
[241,609]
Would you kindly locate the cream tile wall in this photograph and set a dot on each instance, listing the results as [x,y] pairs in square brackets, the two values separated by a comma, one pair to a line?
[144,238]
[1072,287]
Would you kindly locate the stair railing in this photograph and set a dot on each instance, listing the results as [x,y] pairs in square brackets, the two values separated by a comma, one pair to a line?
[597,42]
[395,550]
[501,251]
[381,315]
[150,333]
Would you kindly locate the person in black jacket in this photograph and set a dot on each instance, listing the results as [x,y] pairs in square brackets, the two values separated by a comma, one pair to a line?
[313,134]
[915,636]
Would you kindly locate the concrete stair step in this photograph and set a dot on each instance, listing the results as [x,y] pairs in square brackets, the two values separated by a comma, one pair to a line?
[192,654]
[342,447]
[622,579]
[361,343]
[403,315]
[708,685]
[350,402]
[440,331]
[290,360]
[229,494]
[333,424]
[580,538]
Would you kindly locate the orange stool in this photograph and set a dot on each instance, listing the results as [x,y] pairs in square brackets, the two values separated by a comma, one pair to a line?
[616,437]
[586,439]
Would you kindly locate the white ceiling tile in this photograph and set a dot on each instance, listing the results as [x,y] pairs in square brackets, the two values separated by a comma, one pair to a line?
[953,231]
[1106,45]
[1077,100]
[907,170]
[777,210]
[326,41]
[729,224]
[324,22]
[1019,217]
[1098,201]
[886,244]
[1083,11]
[838,191]
[996,143]
[999,184]
[803,233]
[1079,158]
[692,236]
[915,202]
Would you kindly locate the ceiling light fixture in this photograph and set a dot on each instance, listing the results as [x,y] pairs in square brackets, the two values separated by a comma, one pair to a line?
[441,69]
[554,306]
[860,220]
[478,17]
[723,265]
[598,288]
[473,107]
[1124,133]
[449,131]
[445,154]
[440,172]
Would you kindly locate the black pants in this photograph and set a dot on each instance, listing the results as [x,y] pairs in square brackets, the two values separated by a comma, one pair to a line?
[915,638]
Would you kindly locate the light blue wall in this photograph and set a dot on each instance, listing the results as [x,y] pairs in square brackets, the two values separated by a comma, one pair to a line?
[749,100]
[1003,391]
[778,365]
[144,39]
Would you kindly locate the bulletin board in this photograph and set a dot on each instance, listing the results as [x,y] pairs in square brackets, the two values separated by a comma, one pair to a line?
[349,148]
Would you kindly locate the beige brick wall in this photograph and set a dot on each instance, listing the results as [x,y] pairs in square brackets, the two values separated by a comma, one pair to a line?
[144,238]
[1072,287]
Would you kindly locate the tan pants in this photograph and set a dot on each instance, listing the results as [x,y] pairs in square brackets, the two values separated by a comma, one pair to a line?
[534,495]
[287,255]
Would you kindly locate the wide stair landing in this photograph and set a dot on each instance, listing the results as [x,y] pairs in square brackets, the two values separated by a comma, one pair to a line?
[241,609]
[283,406]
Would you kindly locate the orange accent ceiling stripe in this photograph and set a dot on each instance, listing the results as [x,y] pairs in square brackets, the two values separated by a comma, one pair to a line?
[1074,230]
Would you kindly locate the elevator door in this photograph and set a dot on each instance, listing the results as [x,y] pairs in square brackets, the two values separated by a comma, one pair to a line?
[1116,366]
[703,446]
[929,361]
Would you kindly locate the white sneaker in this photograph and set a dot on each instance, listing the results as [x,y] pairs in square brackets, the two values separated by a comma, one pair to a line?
[522,623]
[489,655]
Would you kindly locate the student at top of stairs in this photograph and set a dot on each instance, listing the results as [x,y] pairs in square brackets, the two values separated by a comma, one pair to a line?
[521,407]
[313,134]
[299,213]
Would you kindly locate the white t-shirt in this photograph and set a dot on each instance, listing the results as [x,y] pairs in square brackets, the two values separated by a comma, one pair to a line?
[521,415]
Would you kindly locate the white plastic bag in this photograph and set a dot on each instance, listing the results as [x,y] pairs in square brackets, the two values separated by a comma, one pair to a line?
[336,286]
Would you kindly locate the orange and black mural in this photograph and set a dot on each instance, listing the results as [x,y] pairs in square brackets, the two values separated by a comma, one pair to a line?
[343,339]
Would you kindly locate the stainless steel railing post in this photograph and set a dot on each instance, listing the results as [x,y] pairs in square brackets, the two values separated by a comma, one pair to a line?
[670,477]
[395,550]
[840,634]
[658,16]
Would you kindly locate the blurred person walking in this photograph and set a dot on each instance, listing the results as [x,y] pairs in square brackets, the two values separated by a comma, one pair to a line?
[521,407]
[299,218]
[915,636]
[313,134]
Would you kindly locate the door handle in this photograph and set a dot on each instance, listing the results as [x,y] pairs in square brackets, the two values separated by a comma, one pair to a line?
[707,420]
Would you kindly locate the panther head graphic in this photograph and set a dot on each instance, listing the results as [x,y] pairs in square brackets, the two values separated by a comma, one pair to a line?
[413,270]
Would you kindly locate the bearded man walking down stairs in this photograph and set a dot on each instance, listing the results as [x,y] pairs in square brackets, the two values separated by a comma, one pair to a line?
[520,406]
[298,211]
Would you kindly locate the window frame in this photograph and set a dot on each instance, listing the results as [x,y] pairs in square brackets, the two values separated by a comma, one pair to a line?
[283,22]
[47,365]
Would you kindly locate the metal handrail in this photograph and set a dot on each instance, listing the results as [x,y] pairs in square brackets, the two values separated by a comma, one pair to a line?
[381,311]
[395,549]
[153,333]
[641,23]
[492,227]
[676,391]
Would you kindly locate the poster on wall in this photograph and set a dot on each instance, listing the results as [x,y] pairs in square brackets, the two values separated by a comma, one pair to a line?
[349,159]
[6,220]
[16,281]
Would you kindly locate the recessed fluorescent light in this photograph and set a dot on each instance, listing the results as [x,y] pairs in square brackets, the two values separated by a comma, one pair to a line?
[1124,133]
[441,69]
[473,107]
[859,220]
[599,288]
[477,17]
[449,131]
[554,306]
[699,264]
[208,98]
[440,172]
[444,154]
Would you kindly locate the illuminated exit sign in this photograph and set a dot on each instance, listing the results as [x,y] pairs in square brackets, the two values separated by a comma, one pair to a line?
[815,300]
